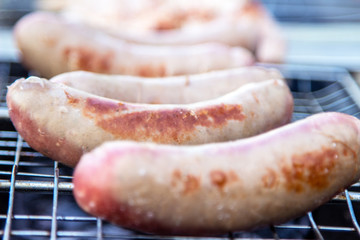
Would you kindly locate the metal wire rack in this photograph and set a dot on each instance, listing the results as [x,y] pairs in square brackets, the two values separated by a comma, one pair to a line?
[35,192]
[314,11]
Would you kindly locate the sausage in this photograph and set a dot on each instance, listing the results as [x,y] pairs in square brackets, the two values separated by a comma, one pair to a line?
[63,123]
[172,90]
[251,26]
[52,45]
[237,23]
[220,187]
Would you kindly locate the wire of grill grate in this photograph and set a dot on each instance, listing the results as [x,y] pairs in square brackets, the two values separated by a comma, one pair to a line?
[36,192]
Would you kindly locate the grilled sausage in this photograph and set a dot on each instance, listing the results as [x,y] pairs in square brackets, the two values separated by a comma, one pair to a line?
[251,27]
[221,187]
[173,90]
[63,123]
[243,23]
[51,45]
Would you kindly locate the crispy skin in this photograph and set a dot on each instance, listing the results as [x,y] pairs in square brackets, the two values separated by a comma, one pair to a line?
[62,122]
[52,45]
[221,187]
[174,90]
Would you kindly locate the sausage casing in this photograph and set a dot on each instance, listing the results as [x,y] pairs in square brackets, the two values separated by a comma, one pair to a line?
[63,122]
[221,187]
[173,90]
[52,45]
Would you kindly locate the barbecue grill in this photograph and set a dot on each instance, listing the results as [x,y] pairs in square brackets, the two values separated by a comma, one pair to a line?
[35,191]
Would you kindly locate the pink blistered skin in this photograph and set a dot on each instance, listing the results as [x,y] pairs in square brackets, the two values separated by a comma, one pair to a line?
[95,173]
[93,180]
[91,189]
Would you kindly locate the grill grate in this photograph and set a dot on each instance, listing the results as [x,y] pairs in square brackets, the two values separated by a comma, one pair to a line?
[318,11]
[35,192]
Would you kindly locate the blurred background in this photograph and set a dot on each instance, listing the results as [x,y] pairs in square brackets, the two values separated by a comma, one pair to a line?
[321,32]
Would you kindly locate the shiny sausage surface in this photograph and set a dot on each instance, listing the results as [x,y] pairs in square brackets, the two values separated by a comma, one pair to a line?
[174,90]
[221,187]
[62,122]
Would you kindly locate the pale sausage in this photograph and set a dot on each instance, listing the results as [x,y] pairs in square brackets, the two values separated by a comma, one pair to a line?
[52,45]
[174,90]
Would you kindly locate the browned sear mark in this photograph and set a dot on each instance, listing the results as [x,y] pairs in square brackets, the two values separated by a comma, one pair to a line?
[151,70]
[170,22]
[175,20]
[175,178]
[81,58]
[252,9]
[312,169]
[99,106]
[188,182]
[191,184]
[71,100]
[270,179]
[164,126]
[220,178]
[223,113]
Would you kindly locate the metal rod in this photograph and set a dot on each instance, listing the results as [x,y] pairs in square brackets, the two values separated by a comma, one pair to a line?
[4,113]
[354,196]
[273,230]
[40,175]
[24,154]
[48,218]
[55,202]
[352,213]
[46,186]
[323,228]
[99,234]
[315,227]
[29,164]
[8,134]
[7,229]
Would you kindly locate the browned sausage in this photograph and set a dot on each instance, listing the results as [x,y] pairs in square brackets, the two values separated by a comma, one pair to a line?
[62,122]
[221,187]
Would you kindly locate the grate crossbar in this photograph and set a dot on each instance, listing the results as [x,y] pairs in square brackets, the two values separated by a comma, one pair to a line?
[7,231]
